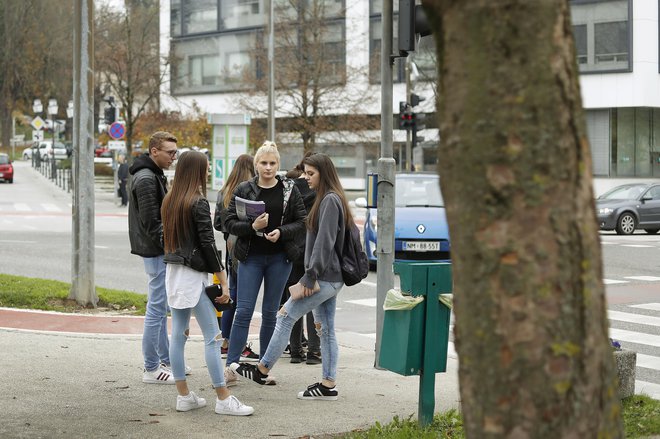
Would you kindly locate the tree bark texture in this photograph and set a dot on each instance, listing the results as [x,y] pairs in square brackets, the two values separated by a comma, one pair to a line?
[531,327]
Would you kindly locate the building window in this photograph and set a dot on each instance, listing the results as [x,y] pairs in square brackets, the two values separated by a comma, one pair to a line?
[215,63]
[603,35]
[199,16]
[236,14]
[635,142]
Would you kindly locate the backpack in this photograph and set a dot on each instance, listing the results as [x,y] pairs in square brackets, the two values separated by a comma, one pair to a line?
[353,259]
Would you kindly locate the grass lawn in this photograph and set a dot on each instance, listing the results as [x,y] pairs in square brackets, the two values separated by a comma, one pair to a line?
[51,295]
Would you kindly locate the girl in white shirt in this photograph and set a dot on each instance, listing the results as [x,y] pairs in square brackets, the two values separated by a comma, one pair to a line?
[190,255]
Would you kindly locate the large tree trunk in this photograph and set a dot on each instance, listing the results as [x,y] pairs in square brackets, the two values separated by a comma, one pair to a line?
[531,326]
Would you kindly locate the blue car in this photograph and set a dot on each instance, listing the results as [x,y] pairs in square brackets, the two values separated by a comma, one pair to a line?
[420,224]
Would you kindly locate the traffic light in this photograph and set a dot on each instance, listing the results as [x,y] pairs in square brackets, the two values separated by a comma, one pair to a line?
[412,21]
[110,115]
[406,116]
[415,100]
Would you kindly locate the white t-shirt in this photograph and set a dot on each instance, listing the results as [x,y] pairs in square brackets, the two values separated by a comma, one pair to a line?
[184,285]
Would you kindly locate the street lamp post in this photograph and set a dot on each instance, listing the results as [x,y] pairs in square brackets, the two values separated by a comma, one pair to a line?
[37,108]
[52,110]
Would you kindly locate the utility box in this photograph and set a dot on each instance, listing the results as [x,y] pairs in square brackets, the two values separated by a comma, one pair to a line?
[416,339]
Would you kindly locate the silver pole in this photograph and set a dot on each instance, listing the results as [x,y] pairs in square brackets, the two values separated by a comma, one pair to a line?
[386,164]
[82,255]
[271,71]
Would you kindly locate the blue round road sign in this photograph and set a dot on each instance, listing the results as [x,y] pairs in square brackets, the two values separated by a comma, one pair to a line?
[117,130]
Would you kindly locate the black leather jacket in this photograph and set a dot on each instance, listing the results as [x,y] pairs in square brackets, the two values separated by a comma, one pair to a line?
[293,222]
[199,251]
[148,188]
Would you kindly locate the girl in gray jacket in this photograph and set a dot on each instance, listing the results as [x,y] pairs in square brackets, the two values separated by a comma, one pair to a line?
[318,288]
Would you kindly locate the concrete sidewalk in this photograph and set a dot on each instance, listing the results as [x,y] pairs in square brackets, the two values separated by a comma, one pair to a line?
[80,376]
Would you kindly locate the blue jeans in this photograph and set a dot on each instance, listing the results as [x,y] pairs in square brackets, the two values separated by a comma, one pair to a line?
[155,345]
[274,271]
[208,322]
[324,304]
[228,316]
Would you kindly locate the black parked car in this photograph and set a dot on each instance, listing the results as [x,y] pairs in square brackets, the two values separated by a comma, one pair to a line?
[629,207]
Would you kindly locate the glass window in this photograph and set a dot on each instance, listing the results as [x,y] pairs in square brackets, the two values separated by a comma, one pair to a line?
[175,18]
[236,14]
[603,34]
[214,64]
[200,16]
[611,42]
[580,35]
[642,142]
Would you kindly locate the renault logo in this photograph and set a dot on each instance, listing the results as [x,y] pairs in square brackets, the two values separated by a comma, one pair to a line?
[421,228]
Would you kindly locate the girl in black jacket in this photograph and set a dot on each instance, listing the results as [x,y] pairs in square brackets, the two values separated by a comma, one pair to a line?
[265,248]
[190,255]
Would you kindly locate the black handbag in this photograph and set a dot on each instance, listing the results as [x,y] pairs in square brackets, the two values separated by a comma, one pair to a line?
[215,290]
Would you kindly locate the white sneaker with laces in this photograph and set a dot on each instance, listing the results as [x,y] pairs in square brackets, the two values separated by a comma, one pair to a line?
[189,402]
[158,376]
[232,406]
[231,377]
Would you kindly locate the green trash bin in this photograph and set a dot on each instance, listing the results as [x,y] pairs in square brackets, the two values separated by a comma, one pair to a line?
[417,338]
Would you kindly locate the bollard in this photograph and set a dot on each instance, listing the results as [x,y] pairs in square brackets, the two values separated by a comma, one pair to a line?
[415,341]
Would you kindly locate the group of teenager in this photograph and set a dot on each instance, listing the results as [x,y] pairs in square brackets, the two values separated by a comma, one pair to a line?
[294,242]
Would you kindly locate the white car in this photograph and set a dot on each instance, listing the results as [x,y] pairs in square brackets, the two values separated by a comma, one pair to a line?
[46,150]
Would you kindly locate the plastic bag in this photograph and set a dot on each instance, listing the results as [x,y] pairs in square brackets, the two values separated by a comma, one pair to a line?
[395,300]
[447,300]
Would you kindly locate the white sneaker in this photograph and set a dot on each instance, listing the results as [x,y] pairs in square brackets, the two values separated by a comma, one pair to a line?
[232,406]
[189,402]
[169,368]
[158,376]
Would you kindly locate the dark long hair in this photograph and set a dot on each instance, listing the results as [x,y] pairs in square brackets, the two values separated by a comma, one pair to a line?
[243,170]
[189,185]
[328,182]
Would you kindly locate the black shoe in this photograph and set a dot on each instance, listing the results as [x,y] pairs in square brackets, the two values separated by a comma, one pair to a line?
[287,351]
[296,359]
[252,372]
[320,392]
[313,358]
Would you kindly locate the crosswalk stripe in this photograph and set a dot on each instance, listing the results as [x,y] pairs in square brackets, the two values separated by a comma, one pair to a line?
[612,281]
[648,361]
[650,389]
[365,302]
[635,337]
[50,207]
[637,245]
[649,306]
[22,207]
[633,318]
[645,278]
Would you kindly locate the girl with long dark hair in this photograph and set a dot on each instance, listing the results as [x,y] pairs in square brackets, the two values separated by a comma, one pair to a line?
[326,225]
[190,255]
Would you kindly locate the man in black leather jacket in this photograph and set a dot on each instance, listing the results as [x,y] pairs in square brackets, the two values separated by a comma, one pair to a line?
[145,231]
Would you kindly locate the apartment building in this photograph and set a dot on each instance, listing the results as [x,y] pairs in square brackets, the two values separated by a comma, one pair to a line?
[214,43]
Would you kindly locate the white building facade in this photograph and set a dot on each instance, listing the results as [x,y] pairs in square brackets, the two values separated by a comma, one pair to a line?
[617,53]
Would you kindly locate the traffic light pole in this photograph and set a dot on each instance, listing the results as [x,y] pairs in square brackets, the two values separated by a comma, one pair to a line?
[408,132]
[386,167]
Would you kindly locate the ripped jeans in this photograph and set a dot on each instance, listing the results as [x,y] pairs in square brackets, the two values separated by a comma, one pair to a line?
[324,304]
[208,323]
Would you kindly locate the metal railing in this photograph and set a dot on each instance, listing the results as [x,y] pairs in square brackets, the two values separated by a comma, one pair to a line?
[52,170]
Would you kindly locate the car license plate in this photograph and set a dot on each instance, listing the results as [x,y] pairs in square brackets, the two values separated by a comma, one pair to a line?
[421,246]
[1,175]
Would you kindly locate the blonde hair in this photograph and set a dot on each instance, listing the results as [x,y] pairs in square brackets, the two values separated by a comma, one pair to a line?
[268,147]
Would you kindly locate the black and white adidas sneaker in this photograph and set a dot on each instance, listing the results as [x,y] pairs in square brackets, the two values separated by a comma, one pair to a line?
[320,392]
[252,372]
